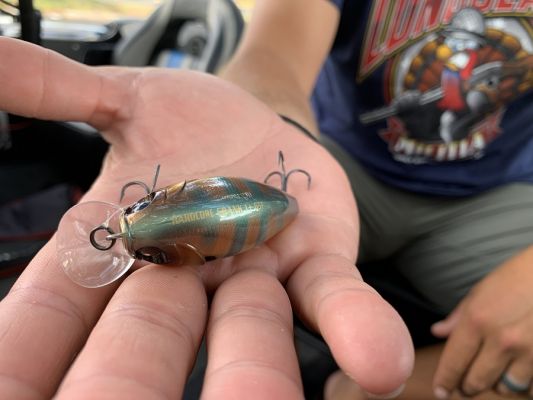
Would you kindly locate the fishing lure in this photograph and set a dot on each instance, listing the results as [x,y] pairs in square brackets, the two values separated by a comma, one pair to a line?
[188,223]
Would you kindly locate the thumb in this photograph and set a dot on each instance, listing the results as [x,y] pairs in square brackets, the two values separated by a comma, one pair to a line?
[443,328]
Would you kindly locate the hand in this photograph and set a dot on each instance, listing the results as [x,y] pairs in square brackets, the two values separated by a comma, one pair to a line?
[490,334]
[138,338]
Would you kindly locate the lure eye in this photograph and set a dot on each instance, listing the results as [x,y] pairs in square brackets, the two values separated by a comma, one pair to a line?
[140,205]
[82,262]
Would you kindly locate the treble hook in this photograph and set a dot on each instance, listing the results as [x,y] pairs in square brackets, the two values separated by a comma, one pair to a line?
[139,183]
[284,176]
[112,236]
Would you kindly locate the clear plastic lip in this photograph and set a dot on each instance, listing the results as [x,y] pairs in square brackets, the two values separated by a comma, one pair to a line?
[81,261]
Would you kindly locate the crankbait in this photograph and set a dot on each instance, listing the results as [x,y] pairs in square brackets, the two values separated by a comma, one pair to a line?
[188,223]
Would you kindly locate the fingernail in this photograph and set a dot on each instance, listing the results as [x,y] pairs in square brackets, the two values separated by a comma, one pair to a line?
[331,385]
[437,325]
[390,395]
[441,393]
[341,386]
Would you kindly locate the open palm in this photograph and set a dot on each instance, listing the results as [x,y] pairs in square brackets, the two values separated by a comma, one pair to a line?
[138,338]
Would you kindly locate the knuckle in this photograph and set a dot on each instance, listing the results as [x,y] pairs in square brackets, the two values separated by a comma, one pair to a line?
[251,312]
[479,319]
[474,385]
[52,301]
[160,318]
[510,338]
[528,357]
[450,375]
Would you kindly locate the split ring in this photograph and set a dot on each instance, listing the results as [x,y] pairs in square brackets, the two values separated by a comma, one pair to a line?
[97,245]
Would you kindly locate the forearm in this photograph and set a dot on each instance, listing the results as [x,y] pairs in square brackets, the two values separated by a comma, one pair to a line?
[267,77]
[282,52]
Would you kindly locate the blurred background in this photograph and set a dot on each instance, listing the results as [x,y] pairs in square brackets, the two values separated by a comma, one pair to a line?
[108,10]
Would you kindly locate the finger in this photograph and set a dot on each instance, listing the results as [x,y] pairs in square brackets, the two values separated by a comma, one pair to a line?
[341,387]
[486,368]
[458,354]
[444,328]
[145,343]
[517,378]
[367,337]
[250,341]
[44,321]
[40,83]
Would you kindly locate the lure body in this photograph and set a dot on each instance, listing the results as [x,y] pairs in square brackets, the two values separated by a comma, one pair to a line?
[200,220]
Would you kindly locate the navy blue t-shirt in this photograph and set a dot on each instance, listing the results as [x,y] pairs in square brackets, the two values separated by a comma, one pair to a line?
[431,97]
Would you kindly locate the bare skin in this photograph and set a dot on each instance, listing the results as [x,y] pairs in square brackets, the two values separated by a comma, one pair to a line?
[489,334]
[418,387]
[138,338]
[285,45]
[282,52]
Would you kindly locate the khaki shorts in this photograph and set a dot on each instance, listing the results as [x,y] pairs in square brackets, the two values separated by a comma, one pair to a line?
[443,246]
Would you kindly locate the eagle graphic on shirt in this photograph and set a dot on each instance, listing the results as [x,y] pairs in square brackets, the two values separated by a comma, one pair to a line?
[449,74]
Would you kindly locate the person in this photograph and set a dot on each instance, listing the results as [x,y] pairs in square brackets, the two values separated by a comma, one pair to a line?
[427,104]
[138,338]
